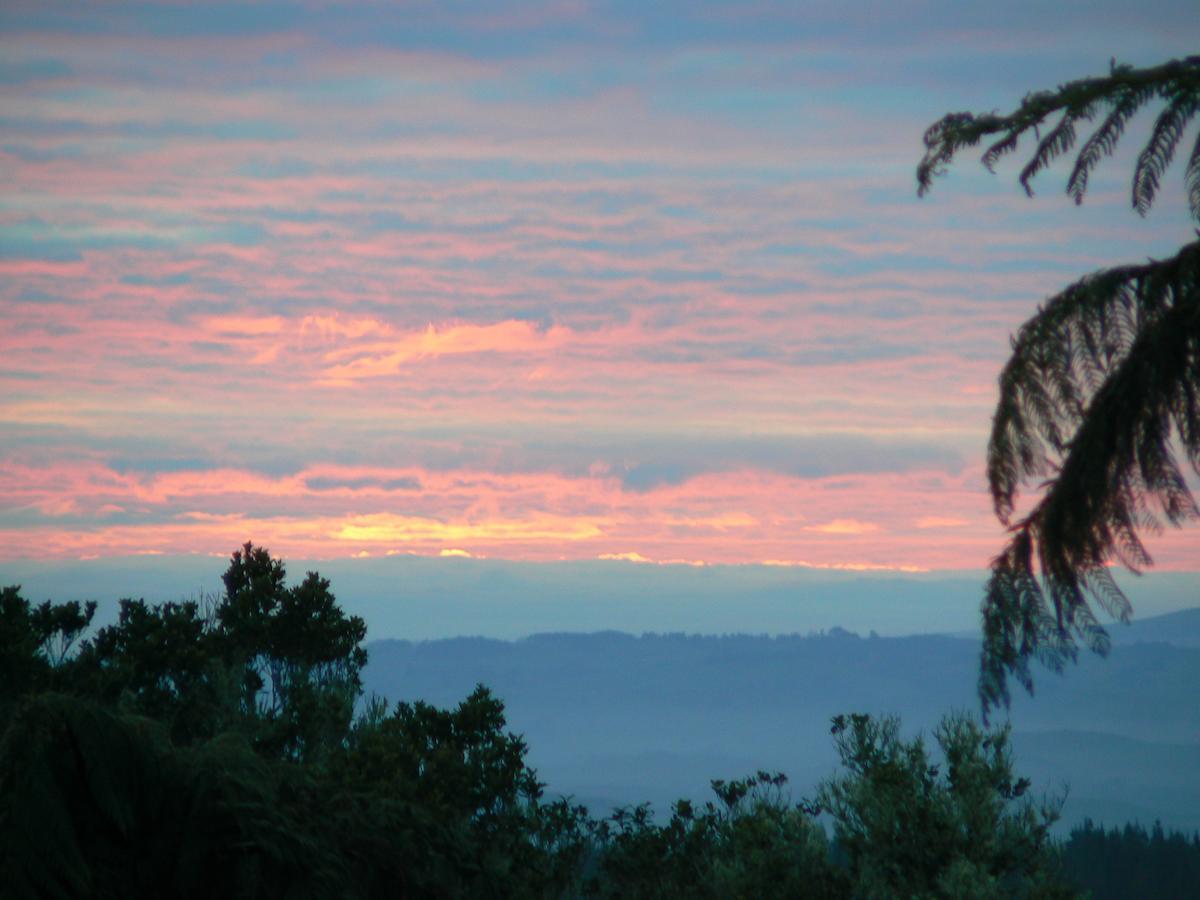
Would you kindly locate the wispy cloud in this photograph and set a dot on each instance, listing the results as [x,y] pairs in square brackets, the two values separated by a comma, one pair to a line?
[643,282]
[376,359]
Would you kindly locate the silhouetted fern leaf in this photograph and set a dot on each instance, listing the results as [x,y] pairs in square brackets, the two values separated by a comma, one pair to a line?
[1104,139]
[1058,141]
[1127,394]
[1192,179]
[1160,150]
[1120,94]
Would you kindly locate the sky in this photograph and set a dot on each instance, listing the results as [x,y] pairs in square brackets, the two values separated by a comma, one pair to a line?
[627,282]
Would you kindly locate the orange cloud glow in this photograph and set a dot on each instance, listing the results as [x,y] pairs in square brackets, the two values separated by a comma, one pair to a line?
[387,528]
[845,526]
[251,326]
[387,357]
[631,321]
[718,518]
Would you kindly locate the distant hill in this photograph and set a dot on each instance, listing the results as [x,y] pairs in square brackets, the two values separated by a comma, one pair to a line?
[615,719]
[1179,628]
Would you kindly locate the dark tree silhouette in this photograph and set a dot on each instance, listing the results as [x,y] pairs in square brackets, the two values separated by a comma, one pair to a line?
[185,751]
[35,642]
[139,766]
[1125,862]
[956,824]
[301,656]
[1102,390]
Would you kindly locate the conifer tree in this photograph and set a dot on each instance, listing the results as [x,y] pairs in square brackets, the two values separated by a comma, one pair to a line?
[1102,392]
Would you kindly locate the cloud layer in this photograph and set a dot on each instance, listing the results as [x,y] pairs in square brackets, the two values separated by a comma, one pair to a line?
[644,282]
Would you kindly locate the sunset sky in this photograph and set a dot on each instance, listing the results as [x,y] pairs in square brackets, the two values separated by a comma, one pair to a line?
[541,281]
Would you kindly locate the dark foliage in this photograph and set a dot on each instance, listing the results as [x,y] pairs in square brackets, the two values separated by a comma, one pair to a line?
[1102,391]
[481,828]
[957,826]
[212,752]
[187,753]
[161,661]
[301,658]
[1102,386]
[1117,97]
[905,825]
[751,843]
[1131,862]
[35,642]
[94,803]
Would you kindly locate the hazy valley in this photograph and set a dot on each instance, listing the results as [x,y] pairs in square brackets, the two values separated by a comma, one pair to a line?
[615,719]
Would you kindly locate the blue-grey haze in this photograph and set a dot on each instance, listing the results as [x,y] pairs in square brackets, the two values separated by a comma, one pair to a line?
[418,598]
[612,719]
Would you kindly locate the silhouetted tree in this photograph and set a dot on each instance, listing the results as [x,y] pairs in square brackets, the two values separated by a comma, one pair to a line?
[457,784]
[956,827]
[1103,386]
[193,753]
[162,661]
[280,664]
[170,757]
[35,642]
[1131,862]
[751,843]
[302,655]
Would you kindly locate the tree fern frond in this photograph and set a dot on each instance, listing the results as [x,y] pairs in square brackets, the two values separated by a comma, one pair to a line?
[1160,149]
[40,854]
[1122,93]
[1058,141]
[1118,475]
[69,770]
[1006,144]
[1103,141]
[1101,585]
[1040,399]
[1102,389]
[1192,180]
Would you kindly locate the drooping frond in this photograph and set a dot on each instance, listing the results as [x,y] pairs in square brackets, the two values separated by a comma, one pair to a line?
[1104,139]
[1059,140]
[1102,388]
[1119,95]
[1192,176]
[1156,156]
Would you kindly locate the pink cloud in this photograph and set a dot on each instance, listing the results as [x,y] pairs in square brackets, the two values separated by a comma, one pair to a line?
[297,284]
[940,522]
[742,517]
[387,357]
[243,326]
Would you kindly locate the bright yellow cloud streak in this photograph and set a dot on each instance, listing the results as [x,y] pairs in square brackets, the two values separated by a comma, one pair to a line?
[388,528]
[842,567]
[941,522]
[845,526]
[630,556]
[387,357]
